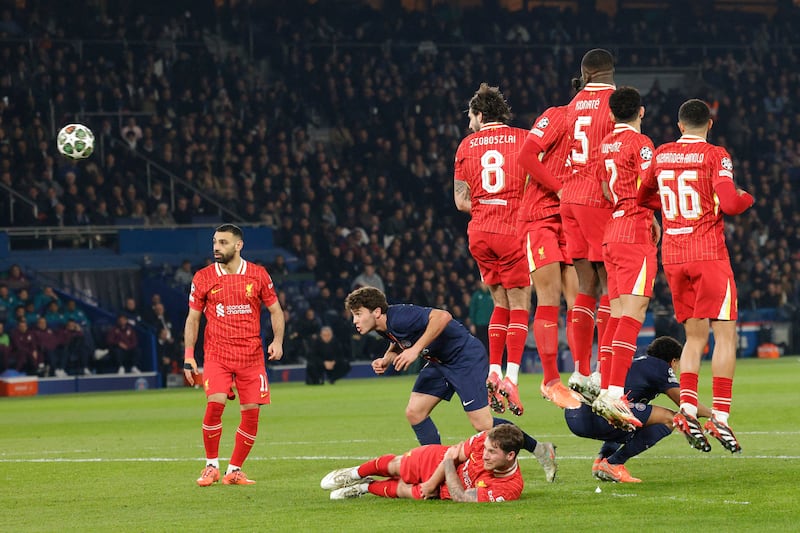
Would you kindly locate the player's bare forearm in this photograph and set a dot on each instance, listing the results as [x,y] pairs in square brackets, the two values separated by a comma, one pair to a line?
[437,321]
[461,196]
[430,487]
[278,322]
[457,492]
[191,328]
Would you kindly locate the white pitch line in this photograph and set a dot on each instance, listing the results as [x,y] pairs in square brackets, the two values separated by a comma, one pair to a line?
[345,458]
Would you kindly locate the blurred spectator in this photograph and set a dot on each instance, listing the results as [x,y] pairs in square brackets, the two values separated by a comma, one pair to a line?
[123,345]
[132,312]
[8,301]
[168,353]
[368,278]
[183,275]
[74,353]
[325,359]
[48,342]
[5,347]
[15,279]
[481,307]
[24,355]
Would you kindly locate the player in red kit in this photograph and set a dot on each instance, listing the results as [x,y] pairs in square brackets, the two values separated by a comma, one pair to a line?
[584,209]
[230,293]
[545,246]
[488,184]
[483,468]
[629,251]
[692,183]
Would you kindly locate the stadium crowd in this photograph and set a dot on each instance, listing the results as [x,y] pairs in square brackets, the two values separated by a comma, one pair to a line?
[339,131]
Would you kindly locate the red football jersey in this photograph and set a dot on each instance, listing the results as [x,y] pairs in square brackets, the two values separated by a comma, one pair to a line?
[552,135]
[487,162]
[589,117]
[626,157]
[491,487]
[231,304]
[686,173]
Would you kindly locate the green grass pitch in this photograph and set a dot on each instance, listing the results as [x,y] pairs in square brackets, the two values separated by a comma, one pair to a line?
[128,461]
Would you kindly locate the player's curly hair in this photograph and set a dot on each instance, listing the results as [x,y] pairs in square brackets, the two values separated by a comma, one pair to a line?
[665,348]
[507,437]
[694,113]
[625,103]
[490,101]
[369,298]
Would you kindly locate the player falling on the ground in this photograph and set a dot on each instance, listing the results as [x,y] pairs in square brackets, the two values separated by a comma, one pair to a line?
[629,250]
[455,362]
[483,468]
[230,293]
[692,183]
[649,376]
[585,210]
[545,246]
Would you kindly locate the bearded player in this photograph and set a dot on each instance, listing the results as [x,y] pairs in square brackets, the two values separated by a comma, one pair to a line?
[230,293]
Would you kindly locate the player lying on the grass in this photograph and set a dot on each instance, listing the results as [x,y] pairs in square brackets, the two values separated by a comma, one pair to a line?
[648,376]
[456,362]
[483,468]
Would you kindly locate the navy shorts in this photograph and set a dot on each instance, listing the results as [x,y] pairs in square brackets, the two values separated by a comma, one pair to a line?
[466,376]
[585,423]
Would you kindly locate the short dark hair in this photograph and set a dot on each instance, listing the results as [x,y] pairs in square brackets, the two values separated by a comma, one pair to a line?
[665,348]
[230,228]
[597,60]
[369,298]
[694,113]
[625,103]
[490,101]
[507,437]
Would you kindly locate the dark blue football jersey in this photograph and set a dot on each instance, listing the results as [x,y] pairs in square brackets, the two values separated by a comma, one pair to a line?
[648,377]
[405,324]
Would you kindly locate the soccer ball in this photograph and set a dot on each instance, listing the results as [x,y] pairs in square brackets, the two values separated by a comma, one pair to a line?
[75,141]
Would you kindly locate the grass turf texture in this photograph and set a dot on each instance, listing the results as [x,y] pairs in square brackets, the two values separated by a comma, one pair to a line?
[128,461]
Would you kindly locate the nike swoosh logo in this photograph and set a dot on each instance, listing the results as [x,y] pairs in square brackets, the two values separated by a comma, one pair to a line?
[550,325]
[215,291]
[214,436]
[467,403]
[264,394]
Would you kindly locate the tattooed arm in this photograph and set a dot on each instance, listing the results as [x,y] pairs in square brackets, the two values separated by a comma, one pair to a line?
[462,196]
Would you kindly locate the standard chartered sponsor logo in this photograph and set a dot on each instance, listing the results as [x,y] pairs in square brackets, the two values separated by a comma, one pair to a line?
[241,309]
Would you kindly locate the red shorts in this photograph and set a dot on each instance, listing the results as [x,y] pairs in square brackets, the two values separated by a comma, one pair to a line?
[704,289]
[419,464]
[631,268]
[544,242]
[584,227]
[500,259]
[252,385]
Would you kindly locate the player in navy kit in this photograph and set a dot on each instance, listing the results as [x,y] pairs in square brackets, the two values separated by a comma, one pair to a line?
[649,376]
[456,362]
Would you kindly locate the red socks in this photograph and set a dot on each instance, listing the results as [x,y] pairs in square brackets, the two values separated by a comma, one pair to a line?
[722,392]
[689,388]
[545,331]
[385,489]
[624,348]
[583,332]
[212,428]
[605,352]
[603,314]
[245,436]
[517,333]
[498,330]
[376,467]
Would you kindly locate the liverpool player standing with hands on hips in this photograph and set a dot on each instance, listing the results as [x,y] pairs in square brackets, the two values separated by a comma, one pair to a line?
[488,184]
[692,183]
[230,292]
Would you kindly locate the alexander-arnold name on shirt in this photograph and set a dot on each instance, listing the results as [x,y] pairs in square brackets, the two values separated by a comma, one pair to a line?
[676,157]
